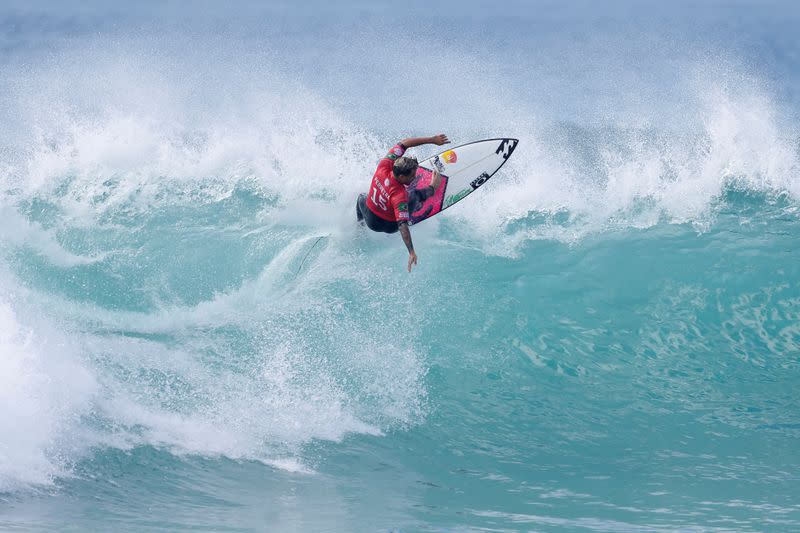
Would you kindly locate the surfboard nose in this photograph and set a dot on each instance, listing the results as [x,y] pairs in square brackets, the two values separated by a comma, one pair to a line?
[506,147]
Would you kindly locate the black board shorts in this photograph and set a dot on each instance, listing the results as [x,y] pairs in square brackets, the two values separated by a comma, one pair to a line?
[373,221]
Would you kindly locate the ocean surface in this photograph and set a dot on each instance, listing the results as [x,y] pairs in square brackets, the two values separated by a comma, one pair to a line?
[195,334]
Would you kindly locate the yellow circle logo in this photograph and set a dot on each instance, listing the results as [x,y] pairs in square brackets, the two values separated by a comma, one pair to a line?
[450,157]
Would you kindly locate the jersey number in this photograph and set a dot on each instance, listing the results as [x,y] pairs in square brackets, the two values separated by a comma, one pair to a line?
[379,199]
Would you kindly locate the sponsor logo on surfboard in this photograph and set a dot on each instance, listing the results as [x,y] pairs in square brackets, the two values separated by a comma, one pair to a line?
[480,180]
[453,198]
[437,163]
[506,147]
[450,157]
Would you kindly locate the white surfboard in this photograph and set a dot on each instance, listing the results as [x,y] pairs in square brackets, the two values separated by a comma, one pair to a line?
[463,168]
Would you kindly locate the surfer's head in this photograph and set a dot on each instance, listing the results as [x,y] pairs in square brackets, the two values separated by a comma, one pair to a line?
[405,168]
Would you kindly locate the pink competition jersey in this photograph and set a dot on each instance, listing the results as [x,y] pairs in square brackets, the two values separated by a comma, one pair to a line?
[387,198]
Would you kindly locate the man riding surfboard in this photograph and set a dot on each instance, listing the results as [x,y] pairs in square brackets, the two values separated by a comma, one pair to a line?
[385,208]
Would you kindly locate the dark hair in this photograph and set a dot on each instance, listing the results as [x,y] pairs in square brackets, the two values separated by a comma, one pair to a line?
[405,166]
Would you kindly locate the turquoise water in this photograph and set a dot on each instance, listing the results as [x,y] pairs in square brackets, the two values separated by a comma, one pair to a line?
[195,334]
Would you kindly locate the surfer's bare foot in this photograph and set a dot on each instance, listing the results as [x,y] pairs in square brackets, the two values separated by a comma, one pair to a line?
[436,180]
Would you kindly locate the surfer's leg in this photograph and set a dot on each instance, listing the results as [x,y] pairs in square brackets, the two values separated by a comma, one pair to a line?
[360,206]
[417,196]
[378,224]
[371,220]
[416,199]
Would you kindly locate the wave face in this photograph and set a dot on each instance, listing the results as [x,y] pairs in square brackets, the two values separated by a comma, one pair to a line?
[605,338]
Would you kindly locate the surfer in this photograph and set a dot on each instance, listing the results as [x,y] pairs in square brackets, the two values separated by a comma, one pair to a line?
[385,207]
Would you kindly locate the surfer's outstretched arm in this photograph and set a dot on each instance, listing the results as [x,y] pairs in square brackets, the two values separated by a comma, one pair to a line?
[406,234]
[417,141]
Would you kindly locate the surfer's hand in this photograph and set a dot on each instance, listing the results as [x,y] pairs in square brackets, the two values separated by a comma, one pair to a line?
[436,180]
[412,259]
[440,139]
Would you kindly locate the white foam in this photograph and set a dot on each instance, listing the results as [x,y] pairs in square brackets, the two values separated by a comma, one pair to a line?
[277,401]
[641,177]
[44,391]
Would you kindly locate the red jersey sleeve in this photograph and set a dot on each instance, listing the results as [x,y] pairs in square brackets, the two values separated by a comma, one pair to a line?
[397,151]
[388,160]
